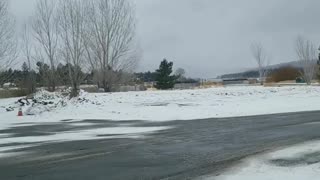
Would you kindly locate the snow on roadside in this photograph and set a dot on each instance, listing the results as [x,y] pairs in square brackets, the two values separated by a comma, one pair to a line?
[155,106]
[294,163]
[79,135]
[7,152]
[175,105]
[99,133]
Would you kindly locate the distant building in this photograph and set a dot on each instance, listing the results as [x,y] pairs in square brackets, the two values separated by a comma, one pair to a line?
[239,81]
[235,81]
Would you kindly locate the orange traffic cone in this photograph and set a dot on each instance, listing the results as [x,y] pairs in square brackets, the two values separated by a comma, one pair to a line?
[20,112]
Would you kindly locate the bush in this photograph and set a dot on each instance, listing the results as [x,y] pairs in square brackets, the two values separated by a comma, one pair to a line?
[284,74]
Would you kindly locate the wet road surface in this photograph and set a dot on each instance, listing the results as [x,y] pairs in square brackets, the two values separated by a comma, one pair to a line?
[188,150]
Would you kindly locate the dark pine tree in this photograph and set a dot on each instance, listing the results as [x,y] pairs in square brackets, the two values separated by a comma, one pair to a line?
[25,73]
[25,68]
[164,78]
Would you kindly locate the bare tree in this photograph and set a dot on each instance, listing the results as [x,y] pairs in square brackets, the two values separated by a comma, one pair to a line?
[8,42]
[180,73]
[27,48]
[72,28]
[307,55]
[45,30]
[261,58]
[110,44]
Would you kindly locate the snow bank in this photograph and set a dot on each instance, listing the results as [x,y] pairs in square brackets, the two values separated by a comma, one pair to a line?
[174,105]
[294,163]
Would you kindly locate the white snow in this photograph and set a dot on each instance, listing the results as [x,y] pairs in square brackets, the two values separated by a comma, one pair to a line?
[90,134]
[175,105]
[172,105]
[261,168]
[156,106]
[84,135]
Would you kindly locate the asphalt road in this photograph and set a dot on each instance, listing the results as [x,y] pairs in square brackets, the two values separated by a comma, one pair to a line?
[189,150]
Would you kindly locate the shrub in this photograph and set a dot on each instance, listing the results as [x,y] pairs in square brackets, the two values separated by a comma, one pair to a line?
[284,74]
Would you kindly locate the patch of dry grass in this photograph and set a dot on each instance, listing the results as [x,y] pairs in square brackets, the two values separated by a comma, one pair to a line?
[8,93]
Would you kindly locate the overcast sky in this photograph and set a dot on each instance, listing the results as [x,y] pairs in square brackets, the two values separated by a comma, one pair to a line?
[212,37]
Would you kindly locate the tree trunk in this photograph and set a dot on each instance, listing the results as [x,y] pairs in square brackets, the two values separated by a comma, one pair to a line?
[53,87]
[74,91]
[106,86]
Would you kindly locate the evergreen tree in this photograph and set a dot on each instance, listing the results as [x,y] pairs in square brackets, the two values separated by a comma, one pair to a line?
[44,71]
[25,68]
[27,80]
[25,73]
[164,78]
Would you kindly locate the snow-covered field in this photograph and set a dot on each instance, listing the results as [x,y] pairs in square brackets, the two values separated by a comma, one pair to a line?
[175,105]
[166,106]
[300,162]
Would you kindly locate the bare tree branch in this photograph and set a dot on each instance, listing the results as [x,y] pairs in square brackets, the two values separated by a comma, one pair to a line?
[307,54]
[8,41]
[110,39]
[72,28]
[27,46]
[262,60]
[45,30]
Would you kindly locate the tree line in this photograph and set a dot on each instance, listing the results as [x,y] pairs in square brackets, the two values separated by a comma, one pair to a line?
[72,37]
[20,78]
[164,76]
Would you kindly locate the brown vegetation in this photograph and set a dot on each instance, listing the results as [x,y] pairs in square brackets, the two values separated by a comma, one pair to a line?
[284,74]
[8,93]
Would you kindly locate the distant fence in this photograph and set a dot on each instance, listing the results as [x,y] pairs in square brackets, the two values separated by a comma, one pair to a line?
[186,85]
[129,88]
